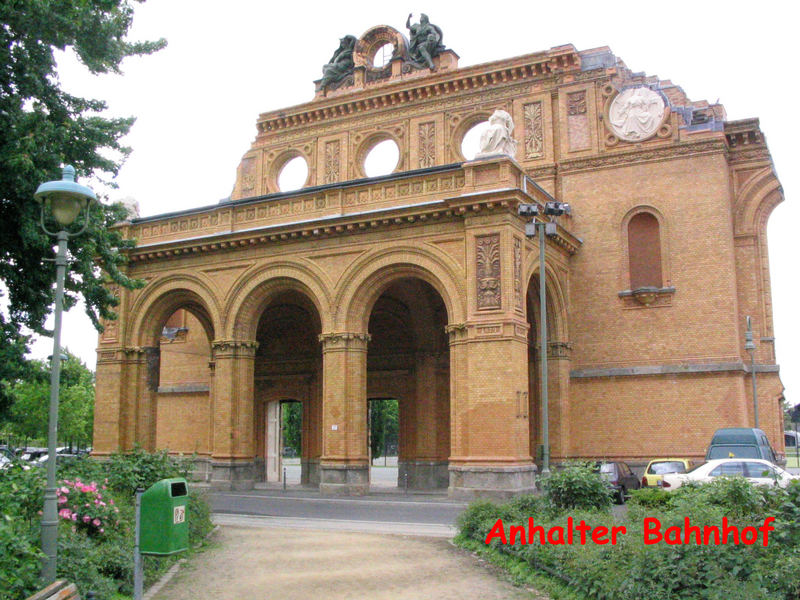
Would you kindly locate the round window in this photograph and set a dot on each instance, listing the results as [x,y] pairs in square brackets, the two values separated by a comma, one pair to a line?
[382,159]
[293,174]
[382,56]
[471,143]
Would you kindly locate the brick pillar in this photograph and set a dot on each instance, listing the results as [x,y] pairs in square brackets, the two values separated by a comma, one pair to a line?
[115,400]
[344,465]
[232,443]
[490,454]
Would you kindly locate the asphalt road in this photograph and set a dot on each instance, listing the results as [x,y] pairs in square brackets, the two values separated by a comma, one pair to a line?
[380,508]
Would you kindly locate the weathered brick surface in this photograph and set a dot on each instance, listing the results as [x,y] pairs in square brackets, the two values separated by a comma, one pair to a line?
[423,286]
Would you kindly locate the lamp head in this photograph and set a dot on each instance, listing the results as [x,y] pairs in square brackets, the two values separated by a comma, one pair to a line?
[65,198]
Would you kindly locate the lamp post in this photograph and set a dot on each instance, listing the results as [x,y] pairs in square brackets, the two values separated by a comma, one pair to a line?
[751,348]
[543,229]
[65,199]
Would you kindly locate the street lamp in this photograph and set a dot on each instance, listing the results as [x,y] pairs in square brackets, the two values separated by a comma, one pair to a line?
[543,229]
[65,199]
[751,348]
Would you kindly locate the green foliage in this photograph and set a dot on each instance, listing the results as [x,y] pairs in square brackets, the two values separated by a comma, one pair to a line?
[22,493]
[650,498]
[384,425]
[100,561]
[29,412]
[42,128]
[20,560]
[632,570]
[577,486]
[126,471]
[292,413]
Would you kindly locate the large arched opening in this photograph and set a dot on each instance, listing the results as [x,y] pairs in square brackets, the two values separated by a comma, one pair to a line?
[288,370]
[408,361]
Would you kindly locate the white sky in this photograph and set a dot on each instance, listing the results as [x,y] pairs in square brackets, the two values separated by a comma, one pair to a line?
[197,101]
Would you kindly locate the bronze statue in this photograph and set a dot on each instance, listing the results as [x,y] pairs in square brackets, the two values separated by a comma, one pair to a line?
[341,63]
[426,41]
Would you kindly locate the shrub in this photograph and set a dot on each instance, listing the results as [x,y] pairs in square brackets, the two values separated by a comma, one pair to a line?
[650,498]
[87,505]
[20,560]
[479,516]
[577,486]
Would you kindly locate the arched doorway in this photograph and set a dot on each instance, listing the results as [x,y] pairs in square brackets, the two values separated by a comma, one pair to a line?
[408,360]
[288,368]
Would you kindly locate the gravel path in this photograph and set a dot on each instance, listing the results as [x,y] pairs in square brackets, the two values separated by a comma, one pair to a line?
[288,564]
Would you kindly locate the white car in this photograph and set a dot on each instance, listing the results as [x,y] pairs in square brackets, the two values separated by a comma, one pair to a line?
[755,470]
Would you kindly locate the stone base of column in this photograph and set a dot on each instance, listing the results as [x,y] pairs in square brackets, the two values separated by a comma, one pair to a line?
[201,469]
[309,471]
[259,470]
[423,474]
[232,475]
[343,480]
[470,482]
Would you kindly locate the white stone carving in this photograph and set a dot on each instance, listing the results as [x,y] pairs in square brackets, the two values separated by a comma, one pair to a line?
[498,138]
[132,206]
[636,114]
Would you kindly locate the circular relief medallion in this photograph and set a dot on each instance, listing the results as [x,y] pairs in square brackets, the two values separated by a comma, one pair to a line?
[636,114]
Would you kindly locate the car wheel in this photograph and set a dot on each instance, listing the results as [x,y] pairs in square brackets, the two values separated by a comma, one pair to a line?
[621,496]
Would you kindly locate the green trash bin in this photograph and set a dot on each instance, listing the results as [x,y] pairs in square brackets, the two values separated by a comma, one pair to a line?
[163,527]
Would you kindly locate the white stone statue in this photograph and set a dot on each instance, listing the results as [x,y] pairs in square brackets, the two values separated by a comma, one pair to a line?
[132,206]
[498,138]
[636,114]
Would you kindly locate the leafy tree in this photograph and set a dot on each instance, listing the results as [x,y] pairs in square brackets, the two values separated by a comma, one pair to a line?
[384,426]
[28,416]
[42,128]
[292,425]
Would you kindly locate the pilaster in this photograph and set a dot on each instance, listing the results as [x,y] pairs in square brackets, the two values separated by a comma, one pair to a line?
[232,442]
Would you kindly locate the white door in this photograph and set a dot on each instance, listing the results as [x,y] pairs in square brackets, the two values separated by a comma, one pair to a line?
[272,441]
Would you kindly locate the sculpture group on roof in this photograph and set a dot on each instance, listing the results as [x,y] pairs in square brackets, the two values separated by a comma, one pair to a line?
[418,52]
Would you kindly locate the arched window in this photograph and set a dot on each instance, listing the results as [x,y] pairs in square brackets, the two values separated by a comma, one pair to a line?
[644,251]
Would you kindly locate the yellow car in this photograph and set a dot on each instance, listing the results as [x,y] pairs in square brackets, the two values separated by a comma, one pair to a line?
[660,466]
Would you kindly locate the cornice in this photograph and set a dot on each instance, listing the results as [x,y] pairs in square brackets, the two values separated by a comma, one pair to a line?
[637,155]
[540,65]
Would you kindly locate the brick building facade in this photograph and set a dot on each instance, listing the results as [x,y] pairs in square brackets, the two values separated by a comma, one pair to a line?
[421,285]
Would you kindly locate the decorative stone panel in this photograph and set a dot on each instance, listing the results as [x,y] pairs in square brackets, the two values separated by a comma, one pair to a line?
[487,269]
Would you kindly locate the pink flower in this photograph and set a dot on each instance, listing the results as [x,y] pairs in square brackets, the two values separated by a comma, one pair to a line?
[86,518]
[65,513]
[64,490]
[102,530]
[62,500]
[96,522]
[74,516]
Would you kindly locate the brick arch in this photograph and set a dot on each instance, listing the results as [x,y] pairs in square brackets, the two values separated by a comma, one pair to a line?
[162,298]
[556,297]
[276,165]
[664,238]
[254,289]
[461,129]
[365,147]
[367,278]
[756,201]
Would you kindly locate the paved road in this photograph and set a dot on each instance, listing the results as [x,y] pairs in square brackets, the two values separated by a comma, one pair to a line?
[383,508]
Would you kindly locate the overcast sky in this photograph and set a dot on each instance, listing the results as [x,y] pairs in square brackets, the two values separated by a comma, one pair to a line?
[197,101]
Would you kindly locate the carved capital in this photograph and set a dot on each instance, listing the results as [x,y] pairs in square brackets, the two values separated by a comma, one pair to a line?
[456,331]
[222,348]
[342,340]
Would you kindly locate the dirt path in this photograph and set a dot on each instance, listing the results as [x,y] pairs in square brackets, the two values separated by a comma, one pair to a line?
[279,563]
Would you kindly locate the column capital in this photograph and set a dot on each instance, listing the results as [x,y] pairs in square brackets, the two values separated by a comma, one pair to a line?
[229,348]
[344,340]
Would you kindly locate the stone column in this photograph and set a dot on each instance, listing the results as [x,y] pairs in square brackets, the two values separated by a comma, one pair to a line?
[490,454]
[232,444]
[344,465]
